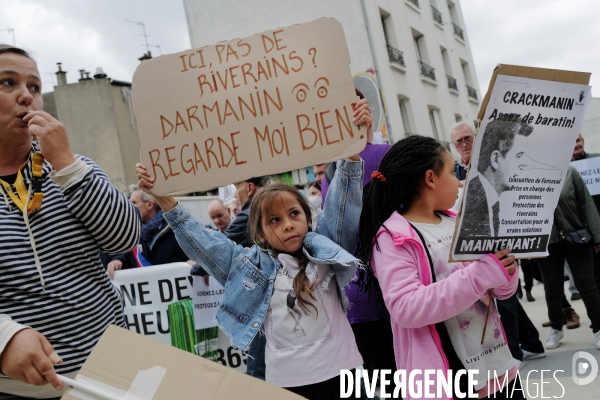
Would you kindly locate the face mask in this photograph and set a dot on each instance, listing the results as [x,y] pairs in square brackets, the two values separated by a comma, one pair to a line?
[315,201]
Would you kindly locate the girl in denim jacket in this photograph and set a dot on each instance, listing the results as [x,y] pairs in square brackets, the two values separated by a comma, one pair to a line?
[438,308]
[290,281]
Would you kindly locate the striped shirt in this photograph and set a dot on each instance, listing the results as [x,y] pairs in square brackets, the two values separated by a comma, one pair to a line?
[81,214]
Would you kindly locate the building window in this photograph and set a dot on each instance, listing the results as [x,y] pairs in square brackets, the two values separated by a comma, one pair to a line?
[458,31]
[395,56]
[435,125]
[403,103]
[425,69]
[384,25]
[471,91]
[452,85]
[437,15]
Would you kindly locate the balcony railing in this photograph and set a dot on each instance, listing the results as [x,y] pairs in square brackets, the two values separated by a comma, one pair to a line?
[427,70]
[471,92]
[437,15]
[415,2]
[396,56]
[452,83]
[458,31]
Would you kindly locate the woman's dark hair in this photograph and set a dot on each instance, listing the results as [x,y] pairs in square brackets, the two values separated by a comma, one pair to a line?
[402,172]
[315,184]
[6,48]
[262,202]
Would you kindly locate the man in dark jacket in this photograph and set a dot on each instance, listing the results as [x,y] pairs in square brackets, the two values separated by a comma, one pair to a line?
[575,213]
[157,242]
[238,232]
[579,150]
[579,153]
[238,229]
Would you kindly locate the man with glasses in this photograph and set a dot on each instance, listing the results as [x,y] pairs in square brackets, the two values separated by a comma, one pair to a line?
[462,138]
[579,152]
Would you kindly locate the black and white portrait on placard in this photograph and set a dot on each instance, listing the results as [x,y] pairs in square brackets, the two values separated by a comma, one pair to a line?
[503,155]
[520,156]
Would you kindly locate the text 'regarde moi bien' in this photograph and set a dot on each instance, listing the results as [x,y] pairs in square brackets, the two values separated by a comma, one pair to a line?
[273,102]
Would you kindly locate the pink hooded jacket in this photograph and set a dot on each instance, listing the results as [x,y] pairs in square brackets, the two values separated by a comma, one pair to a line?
[402,268]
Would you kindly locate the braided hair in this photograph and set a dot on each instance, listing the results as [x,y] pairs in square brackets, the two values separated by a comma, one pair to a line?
[394,187]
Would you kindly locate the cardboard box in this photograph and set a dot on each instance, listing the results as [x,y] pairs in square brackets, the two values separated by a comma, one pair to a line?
[120,355]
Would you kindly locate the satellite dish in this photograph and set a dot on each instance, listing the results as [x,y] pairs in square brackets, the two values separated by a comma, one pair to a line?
[368,86]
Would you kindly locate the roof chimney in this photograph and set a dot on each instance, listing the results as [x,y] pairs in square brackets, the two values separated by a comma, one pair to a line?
[61,76]
[99,73]
[146,56]
[81,75]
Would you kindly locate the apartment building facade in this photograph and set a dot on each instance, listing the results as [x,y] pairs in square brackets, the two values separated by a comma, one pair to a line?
[410,57]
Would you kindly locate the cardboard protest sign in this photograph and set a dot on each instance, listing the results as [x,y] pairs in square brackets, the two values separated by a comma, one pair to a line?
[206,300]
[530,119]
[589,169]
[148,292]
[125,365]
[273,102]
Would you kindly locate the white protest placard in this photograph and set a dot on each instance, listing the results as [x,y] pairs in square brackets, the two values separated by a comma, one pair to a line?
[589,169]
[226,193]
[272,102]
[147,293]
[520,157]
[206,299]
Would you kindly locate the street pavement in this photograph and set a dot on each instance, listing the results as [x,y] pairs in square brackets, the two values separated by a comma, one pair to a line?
[558,363]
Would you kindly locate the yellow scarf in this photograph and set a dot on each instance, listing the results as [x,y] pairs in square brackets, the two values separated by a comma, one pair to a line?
[22,196]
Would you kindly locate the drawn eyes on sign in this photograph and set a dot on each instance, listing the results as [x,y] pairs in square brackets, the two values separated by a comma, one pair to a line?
[301,93]
[322,90]
[302,88]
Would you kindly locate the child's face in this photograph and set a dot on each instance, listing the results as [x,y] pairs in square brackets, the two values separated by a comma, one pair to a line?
[446,185]
[285,224]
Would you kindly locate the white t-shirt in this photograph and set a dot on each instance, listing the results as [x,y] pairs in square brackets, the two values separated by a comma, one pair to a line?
[307,347]
[466,328]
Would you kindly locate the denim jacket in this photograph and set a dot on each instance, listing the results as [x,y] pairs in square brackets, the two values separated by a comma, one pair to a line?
[248,273]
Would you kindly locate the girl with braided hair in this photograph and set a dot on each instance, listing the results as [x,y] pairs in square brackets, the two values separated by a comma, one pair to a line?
[438,308]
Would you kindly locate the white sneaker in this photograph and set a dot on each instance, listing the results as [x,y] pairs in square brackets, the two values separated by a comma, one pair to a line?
[528,355]
[519,363]
[554,338]
[597,337]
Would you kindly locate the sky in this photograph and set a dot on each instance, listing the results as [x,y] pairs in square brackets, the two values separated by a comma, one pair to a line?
[85,34]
